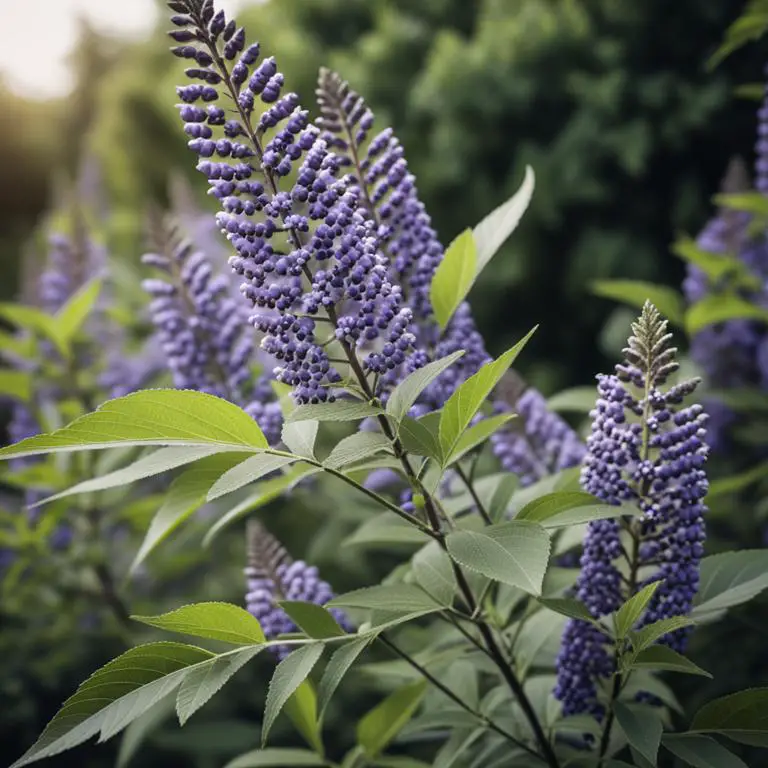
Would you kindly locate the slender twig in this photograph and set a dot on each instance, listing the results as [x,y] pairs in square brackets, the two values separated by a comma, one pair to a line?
[455,698]
[110,594]
[466,479]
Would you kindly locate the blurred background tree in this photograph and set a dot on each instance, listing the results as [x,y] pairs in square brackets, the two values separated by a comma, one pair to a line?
[611,102]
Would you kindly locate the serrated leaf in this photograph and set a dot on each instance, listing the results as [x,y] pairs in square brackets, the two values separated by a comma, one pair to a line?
[277,757]
[664,658]
[642,727]
[151,417]
[742,716]
[138,731]
[251,470]
[453,277]
[421,436]
[492,232]
[186,494]
[701,751]
[629,613]
[204,681]
[550,505]
[288,676]
[434,574]
[515,553]
[468,398]
[70,318]
[114,696]
[338,666]
[407,391]
[476,435]
[155,463]
[216,621]
[729,579]
[502,495]
[658,629]
[719,307]
[338,410]
[16,384]
[300,437]
[266,492]
[379,726]
[355,448]
[386,529]
[399,598]
[636,292]
[577,399]
[301,709]
[314,620]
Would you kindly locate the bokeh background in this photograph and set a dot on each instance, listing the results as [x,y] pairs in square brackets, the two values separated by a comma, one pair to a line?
[610,101]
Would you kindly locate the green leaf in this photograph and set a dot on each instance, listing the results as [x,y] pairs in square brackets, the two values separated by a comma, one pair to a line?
[514,553]
[467,400]
[407,391]
[701,751]
[138,731]
[751,25]
[151,417]
[734,483]
[502,495]
[629,613]
[338,410]
[453,277]
[492,232]
[117,694]
[568,606]
[750,202]
[664,658]
[742,716]
[355,448]
[300,437]
[288,676]
[434,574]
[729,579]
[379,726]
[566,508]
[155,463]
[16,384]
[314,620]
[477,434]
[636,292]
[203,682]
[385,529]
[186,494]
[421,437]
[719,307]
[716,266]
[277,757]
[216,621]
[642,727]
[338,666]
[652,632]
[398,598]
[301,709]
[247,472]
[37,322]
[70,318]
[265,493]
[577,399]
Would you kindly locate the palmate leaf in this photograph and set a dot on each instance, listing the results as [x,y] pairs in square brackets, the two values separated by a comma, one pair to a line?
[151,417]
[118,694]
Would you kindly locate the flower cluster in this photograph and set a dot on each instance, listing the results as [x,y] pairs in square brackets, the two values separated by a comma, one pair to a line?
[538,442]
[203,330]
[649,451]
[272,576]
[307,251]
[734,353]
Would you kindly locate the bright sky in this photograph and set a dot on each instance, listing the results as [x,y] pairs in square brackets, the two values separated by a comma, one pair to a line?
[36,35]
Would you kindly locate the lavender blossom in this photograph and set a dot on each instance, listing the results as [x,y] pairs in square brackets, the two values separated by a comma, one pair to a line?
[313,230]
[272,576]
[538,442]
[203,330]
[645,449]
